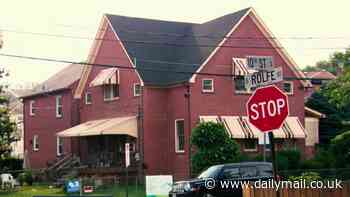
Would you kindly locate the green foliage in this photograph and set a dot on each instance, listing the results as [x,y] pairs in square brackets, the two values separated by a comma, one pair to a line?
[307,176]
[11,163]
[288,159]
[340,148]
[26,178]
[213,146]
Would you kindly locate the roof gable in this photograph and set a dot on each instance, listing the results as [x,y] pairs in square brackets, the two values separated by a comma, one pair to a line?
[171,43]
[61,80]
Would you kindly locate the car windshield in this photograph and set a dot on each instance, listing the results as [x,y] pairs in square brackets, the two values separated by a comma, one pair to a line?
[209,173]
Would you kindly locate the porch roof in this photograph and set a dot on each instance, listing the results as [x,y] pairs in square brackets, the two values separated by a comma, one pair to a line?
[112,126]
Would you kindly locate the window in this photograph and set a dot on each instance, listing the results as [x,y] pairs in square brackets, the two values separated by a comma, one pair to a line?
[35,142]
[248,172]
[59,146]
[231,173]
[180,135]
[137,89]
[250,145]
[59,110]
[88,98]
[110,91]
[240,85]
[288,87]
[208,85]
[31,108]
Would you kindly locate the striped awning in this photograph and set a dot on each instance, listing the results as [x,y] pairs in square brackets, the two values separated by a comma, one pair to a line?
[106,76]
[111,126]
[239,127]
[240,67]
[214,119]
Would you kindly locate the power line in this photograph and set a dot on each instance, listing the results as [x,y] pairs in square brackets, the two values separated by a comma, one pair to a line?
[172,44]
[138,68]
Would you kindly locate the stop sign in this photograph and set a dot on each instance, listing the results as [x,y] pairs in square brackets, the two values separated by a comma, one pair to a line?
[267,108]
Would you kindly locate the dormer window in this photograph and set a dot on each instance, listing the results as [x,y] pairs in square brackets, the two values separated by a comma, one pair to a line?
[110,92]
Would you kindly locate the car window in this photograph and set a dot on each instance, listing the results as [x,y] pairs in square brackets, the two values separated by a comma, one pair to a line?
[209,173]
[248,171]
[231,173]
[264,170]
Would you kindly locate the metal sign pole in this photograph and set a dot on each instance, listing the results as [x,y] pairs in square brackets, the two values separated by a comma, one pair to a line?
[264,151]
[273,155]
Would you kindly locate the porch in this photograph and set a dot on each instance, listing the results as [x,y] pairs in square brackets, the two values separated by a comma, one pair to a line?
[100,145]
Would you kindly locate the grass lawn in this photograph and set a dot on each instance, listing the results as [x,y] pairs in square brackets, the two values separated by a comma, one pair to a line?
[115,191]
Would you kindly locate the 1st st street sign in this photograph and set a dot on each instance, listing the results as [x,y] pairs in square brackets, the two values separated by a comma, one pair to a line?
[267,108]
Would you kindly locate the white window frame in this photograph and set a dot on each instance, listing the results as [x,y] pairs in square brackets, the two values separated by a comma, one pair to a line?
[246,91]
[177,150]
[59,142]
[86,100]
[291,87]
[134,87]
[36,142]
[114,86]
[212,86]
[31,108]
[251,149]
[59,115]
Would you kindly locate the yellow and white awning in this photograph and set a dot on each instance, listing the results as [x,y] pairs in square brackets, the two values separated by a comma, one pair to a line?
[240,67]
[239,127]
[112,126]
[106,76]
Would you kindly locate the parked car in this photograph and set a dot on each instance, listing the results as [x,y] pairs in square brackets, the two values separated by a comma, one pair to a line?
[209,182]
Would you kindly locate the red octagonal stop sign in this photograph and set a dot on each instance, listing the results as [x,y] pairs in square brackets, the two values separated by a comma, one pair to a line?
[267,108]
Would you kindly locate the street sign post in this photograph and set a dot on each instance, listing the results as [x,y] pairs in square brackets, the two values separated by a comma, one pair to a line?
[267,109]
[263,77]
[127,164]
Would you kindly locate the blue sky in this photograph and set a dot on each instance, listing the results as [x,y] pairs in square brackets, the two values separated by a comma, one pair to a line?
[294,18]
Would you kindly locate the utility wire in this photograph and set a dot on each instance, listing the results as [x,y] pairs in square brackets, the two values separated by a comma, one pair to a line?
[173,44]
[138,68]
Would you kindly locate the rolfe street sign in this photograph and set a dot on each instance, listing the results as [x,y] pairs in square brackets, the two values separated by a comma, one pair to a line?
[267,108]
[263,77]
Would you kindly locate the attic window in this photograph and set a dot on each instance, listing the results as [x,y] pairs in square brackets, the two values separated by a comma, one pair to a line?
[31,108]
[208,85]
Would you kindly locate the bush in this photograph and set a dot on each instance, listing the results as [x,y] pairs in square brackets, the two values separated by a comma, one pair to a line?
[340,148]
[8,164]
[288,159]
[26,178]
[307,176]
[213,145]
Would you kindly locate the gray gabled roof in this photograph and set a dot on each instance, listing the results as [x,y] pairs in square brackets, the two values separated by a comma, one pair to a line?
[140,38]
[59,81]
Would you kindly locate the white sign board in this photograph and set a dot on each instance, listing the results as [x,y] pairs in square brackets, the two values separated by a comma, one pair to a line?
[158,186]
[263,77]
[127,154]
[259,62]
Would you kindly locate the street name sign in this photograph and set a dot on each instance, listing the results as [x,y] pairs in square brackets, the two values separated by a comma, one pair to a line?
[263,77]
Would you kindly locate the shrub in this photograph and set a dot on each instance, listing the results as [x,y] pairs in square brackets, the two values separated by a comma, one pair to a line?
[288,159]
[26,178]
[340,148]
[213,145]
[11,163]
[307,176]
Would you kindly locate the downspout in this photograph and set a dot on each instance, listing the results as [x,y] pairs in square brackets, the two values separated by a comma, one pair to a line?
[188,96]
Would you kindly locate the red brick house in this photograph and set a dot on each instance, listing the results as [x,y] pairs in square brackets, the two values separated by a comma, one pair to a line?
[152,98]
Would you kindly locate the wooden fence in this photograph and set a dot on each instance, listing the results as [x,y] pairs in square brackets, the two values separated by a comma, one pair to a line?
[254,192]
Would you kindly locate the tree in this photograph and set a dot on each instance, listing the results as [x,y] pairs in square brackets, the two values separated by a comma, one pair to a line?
[337,61]
[341,149]
[213,146]
[7,127]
